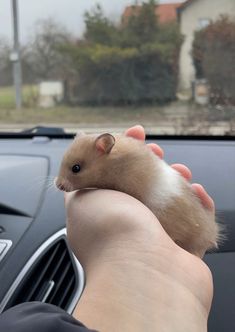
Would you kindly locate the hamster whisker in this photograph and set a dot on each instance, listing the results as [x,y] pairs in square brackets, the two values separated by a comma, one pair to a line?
[40,181]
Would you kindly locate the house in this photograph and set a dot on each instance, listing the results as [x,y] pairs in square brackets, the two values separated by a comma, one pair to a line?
[165,12]
[194,15]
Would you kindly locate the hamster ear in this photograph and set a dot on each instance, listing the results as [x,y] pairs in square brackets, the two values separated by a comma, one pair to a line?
[104,143]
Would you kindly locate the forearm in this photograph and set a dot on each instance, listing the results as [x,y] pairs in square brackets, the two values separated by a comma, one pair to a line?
[139,300]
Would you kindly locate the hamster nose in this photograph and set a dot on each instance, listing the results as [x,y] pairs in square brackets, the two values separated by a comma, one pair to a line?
[58,184]
[61,187]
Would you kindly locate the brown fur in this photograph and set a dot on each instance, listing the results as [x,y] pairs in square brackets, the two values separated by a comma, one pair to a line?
[131,167]
[189,224]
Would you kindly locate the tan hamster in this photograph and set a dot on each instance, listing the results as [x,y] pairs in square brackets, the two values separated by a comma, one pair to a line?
[128,165]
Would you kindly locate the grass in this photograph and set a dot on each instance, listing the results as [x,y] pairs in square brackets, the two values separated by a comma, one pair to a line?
[32,114]
[174,114]
[180,117]
[79,115]
[7,96]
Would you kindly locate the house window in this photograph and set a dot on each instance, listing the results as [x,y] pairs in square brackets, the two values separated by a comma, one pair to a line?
[203,22]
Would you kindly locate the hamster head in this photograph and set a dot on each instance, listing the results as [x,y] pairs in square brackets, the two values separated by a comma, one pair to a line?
[85,162]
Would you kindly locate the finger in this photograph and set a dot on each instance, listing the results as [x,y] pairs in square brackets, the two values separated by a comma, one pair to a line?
[206,200]
[156,149]
[183,170]
[136,132]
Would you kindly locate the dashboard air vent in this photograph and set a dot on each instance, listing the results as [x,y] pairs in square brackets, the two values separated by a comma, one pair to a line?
[52,279]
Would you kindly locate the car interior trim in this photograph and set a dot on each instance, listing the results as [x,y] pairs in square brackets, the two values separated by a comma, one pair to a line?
[5,245]
[31,262]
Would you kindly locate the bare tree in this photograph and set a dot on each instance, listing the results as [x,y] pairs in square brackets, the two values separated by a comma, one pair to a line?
[44,54]
[5,64]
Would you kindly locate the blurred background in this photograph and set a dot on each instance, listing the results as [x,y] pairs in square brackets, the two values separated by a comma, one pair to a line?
[168,65]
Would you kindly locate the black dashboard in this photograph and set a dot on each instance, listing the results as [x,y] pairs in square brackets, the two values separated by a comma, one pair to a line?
[35,261]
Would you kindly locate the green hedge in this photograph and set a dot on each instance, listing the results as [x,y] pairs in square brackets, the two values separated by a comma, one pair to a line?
[124,76]
[120,65]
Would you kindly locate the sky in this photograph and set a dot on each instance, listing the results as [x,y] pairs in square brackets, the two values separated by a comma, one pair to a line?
[68,12]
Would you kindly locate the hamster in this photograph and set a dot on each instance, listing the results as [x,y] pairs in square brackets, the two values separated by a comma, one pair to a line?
[129,165]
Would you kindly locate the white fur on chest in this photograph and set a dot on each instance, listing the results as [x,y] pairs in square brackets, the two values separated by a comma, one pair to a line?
[166,186]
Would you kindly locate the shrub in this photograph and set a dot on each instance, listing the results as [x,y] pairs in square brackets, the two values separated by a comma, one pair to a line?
[133,63]
[214,58]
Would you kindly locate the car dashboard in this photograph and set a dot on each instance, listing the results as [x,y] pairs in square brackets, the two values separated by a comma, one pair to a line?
[36,263]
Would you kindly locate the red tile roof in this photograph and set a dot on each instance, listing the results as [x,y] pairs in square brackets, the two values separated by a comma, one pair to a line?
[165,12]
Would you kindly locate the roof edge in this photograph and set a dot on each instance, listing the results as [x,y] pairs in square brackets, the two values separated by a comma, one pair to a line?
[184,5]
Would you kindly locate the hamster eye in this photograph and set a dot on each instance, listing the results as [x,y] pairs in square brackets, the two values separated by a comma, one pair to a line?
[76,168]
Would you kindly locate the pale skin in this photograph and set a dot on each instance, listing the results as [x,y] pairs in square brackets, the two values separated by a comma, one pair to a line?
[137,278]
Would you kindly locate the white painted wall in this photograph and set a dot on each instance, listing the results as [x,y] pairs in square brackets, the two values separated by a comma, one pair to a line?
[50,93]
[192,17]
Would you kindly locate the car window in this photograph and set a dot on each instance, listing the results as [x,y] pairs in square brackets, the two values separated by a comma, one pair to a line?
[168,65]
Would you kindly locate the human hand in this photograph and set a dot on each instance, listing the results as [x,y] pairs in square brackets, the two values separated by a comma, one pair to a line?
[138,133]
[137,278]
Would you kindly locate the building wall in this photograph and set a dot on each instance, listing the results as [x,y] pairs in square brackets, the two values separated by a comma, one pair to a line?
[193,17]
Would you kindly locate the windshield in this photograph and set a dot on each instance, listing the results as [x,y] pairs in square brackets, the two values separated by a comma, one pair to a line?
[98,65]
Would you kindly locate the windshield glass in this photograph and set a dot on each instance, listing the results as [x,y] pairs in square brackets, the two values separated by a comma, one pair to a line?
[98,65]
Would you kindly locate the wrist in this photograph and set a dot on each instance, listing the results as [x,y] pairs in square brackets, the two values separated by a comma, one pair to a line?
[129,294]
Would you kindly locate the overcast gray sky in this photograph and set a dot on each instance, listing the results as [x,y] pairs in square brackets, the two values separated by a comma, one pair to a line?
[68,12]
